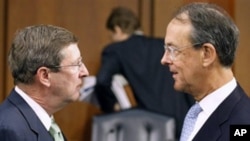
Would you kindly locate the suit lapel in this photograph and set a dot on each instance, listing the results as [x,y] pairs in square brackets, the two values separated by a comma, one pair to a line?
[31,118]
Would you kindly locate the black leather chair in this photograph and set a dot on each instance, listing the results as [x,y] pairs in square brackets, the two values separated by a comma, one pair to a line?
[133,125]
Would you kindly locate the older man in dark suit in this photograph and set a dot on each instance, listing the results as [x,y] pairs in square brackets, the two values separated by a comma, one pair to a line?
[200,46]
[48,71]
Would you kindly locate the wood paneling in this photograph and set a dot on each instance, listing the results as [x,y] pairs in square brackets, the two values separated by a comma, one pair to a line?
[87,18]
[2,49]
[163,11]
[145,14]
[242,67]
[75,120]
[228,5]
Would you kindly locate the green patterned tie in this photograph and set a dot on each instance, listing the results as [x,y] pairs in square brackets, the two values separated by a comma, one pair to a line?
[55,131]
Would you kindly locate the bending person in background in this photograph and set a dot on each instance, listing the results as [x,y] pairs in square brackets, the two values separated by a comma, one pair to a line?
[200,47]
[137,58]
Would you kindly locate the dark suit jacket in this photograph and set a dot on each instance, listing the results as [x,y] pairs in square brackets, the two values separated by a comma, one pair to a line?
[235,109]
[18,122]
[138,60]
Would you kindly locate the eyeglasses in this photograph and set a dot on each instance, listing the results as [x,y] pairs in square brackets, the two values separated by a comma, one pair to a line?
[78,66]
[173,51]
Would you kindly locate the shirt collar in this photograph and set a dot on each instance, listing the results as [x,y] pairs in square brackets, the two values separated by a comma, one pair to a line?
[40,112]
[214,99]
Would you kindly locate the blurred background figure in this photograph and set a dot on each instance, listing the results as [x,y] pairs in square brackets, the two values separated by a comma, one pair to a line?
[137,58]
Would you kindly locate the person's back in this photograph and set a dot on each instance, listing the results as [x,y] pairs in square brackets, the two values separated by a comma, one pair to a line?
[137,58]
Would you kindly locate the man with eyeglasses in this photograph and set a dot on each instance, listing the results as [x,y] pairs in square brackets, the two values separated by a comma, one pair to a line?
[200,46]
[48,71]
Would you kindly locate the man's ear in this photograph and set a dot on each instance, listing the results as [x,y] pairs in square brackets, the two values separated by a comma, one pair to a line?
[209,54]
[43,76]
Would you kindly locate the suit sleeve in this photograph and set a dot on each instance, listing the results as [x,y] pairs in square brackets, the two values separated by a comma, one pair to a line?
[109,67]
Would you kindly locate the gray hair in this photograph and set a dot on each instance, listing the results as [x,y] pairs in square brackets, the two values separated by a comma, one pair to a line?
[37,46]
[212,24]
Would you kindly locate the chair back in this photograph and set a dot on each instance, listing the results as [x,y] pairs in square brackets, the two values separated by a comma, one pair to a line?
[133,125]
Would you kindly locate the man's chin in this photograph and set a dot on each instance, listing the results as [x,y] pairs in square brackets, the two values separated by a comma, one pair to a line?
[74,97]
[177,87]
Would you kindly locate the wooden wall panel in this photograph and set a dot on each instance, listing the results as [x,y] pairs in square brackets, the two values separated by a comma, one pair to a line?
[145,14]
[228,5]
[2,49]
[163,11]
[3,52]
[86,18]
[242,67]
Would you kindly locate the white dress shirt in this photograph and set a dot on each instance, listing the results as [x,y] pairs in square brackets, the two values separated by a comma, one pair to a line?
[40,112]
[210,103]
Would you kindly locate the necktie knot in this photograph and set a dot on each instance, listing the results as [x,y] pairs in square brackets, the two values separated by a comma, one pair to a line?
[189,121]
[194,111]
